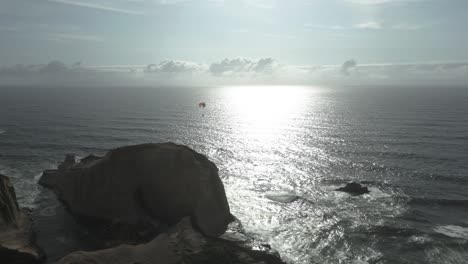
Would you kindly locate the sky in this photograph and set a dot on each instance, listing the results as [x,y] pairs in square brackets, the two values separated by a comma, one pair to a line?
[284,41]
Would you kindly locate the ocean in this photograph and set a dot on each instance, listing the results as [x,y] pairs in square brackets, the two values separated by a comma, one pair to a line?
[281,151]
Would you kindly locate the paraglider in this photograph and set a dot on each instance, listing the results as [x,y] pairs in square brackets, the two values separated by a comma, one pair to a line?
[202,105]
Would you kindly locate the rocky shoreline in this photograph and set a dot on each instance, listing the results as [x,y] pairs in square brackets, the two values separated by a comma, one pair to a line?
[148,203]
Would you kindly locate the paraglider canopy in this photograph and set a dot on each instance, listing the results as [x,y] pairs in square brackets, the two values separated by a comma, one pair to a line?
[202,104]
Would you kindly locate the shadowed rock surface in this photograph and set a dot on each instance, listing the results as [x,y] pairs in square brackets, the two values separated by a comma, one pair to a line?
[149,203]
[181,244]
[17,245]
[354,188]
[136,188]
[58,233]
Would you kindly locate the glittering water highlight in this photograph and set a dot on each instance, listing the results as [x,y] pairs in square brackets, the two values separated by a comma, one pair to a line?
[281,150]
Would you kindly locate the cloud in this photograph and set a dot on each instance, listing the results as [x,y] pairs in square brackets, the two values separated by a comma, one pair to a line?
[347,66]
[326,27]
[170,2]
[18,70]
[379,2]
[279,36]
[96,6]
[370,2]
[74,37]
[54,72]
[263,4]
[445,73]
[236,71]
[406,27]
[174,67]
[243,66]
[54,67]
[369,25]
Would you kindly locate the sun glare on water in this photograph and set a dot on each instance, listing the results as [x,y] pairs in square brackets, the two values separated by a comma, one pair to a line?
[263,112]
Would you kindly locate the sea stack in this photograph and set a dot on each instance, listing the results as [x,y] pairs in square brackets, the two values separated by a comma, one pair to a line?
[143,187]
[153,203]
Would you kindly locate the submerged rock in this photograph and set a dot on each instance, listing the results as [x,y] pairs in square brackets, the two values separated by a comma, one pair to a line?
[182,244]
[354,188]
[17,245]
[133,189]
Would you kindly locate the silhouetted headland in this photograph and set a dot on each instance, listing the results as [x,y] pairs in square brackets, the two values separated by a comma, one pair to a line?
[147,203]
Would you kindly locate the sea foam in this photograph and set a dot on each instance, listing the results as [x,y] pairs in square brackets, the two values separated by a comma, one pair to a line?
[453,231]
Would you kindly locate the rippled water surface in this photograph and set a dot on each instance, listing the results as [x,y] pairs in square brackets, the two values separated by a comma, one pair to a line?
[281,153]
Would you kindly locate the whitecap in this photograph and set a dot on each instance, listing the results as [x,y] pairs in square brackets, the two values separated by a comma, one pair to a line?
[282,197]
[376,193]
[421,240]
[453,231]
[2,131]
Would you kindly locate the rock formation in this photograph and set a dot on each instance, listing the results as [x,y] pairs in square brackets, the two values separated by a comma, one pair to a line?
[140,187]
[153,203]
[16,236]
[181,244]
[353,188]
[10,214]
[70,160]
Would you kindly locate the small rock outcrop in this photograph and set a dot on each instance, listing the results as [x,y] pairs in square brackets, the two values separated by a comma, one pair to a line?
[17,245]
[181,244]
[70,161]
[143,186]
[354,188]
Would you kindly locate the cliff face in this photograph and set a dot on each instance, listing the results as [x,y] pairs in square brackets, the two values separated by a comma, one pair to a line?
[10,214]
[16,236]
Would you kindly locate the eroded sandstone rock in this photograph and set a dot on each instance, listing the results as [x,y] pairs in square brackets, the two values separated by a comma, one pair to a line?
[142,186]
[181,244]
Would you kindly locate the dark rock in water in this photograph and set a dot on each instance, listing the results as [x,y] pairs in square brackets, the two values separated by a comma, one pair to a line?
[17,243]
[354,188]
[181,244]
[136,188]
